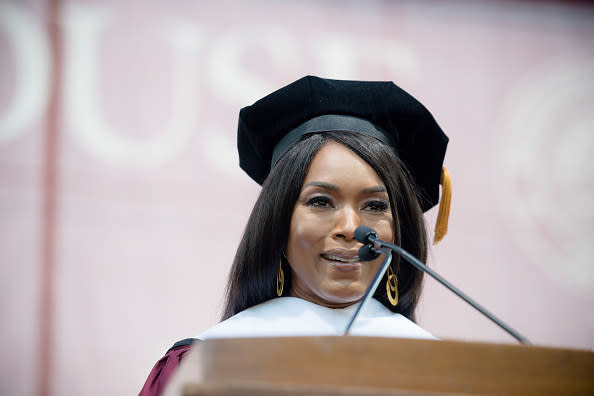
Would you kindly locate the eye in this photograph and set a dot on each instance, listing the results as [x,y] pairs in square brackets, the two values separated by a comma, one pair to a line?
[319,202]
[377,206]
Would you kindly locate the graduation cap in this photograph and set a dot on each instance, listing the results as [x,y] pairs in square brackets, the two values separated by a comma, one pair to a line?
[271,126]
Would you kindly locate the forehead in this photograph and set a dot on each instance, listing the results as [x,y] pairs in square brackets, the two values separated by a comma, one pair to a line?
[337,164]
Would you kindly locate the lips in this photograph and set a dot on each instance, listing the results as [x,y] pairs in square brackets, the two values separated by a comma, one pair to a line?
[341,256]
[340,259]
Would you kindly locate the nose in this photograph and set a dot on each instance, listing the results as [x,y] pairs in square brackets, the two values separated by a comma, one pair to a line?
[347,221]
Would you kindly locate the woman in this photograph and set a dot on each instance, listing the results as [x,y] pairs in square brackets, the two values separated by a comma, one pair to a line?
[330,155]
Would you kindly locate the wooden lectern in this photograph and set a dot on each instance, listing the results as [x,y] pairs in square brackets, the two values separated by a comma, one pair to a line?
[380,366]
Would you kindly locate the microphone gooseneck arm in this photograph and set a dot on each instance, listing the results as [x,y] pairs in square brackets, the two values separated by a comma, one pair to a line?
[367,235]
[371,289]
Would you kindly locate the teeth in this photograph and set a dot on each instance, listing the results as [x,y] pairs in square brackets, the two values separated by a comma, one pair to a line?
[343,260]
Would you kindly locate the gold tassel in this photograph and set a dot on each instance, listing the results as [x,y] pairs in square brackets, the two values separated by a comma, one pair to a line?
[441,226]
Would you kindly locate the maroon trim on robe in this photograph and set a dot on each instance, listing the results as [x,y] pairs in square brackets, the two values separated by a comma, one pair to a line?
[160,374]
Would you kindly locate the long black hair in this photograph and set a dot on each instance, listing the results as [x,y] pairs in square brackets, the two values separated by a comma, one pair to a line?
[252,279]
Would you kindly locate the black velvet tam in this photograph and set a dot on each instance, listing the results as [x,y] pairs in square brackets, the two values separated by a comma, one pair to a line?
[371,107]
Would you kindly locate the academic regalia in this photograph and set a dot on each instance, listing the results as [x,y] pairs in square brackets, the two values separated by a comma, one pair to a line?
[294,317]
[164,368]
[289,317]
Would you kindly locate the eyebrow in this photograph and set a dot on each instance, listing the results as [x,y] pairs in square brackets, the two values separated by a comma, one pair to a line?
[376,189]
[332,187]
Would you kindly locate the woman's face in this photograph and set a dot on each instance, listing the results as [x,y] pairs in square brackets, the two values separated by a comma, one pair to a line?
[340,193]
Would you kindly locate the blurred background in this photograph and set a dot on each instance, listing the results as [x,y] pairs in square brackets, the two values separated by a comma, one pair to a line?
[122,203]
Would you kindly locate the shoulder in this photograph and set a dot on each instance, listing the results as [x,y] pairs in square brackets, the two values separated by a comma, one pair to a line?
[292,316]
[161,372]
[278,317]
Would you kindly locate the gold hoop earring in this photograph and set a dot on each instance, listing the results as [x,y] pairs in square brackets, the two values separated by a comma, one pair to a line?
[280,279]
[392,287]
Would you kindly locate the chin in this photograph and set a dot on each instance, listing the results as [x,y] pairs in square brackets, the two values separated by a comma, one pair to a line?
[345,295]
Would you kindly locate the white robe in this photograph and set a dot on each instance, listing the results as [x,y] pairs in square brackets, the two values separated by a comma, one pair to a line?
[292,316]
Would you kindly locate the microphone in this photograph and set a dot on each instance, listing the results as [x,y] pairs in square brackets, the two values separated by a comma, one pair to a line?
[368,252]
[368,237]
[364,233]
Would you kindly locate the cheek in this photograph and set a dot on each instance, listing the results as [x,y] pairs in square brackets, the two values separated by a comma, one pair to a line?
[307,234]
[304,234]
[387,234]
[385,230]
